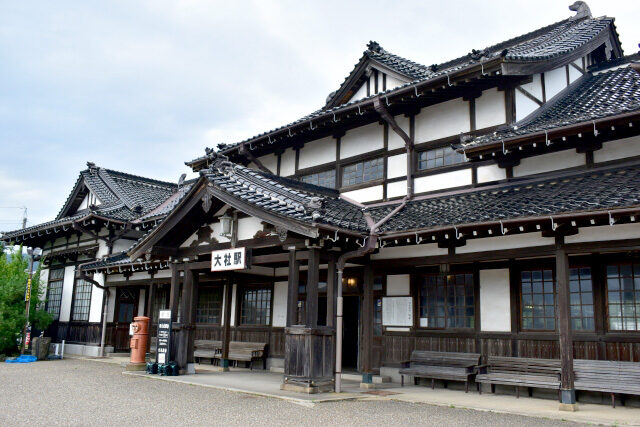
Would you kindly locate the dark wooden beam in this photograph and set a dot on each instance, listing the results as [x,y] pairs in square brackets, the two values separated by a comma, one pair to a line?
[174,293]
[292,294]
[366,322]
[331,293]
[226,330]
[312,287]
[567,391]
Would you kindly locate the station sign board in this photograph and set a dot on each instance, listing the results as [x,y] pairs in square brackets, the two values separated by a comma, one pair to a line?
[163,344]
[229,259]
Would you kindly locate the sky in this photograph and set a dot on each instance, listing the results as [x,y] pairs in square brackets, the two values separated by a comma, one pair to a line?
[143,86]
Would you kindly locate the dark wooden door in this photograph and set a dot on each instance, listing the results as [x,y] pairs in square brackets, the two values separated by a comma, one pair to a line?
[350,341]
[126,310]
[376,344]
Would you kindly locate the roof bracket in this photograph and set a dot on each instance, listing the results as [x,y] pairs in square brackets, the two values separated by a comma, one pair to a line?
[458,235]
[595,131]
[359,112]
[482,70]
[270,142]
[546,138]
[416,88]
[289,129]
[364,242]
[449,80]
[504,150]
[418,239]
[386,98]
[554,225]
[335,238]
[311,125]
[334,118]
[382,243]
[503,230]
[611,218]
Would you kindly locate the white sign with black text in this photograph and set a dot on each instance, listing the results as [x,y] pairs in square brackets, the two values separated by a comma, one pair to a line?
[397,311]
[229,259]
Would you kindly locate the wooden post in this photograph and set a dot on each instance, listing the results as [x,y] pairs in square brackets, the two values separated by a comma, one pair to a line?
[191,316]
[331,293]
[366,324]
[292,294]
[312,287]
[149,307]
[567,390]
[226,330]
[174,293]
[182,355]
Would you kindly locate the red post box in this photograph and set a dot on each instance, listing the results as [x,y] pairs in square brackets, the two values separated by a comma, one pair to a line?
[140,339]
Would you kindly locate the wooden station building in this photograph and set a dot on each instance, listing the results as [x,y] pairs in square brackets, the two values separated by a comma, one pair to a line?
[488,204]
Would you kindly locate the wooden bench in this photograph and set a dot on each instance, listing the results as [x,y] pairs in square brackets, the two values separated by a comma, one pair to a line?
[207,349]
[520,372]
[607,376]
[247,352]
[441,366]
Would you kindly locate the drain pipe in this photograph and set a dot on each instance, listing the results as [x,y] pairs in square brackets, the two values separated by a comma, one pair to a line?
[368,247]
[104,309]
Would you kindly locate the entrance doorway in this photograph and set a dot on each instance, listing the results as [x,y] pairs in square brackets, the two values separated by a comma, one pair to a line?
[126,309]
[351,338]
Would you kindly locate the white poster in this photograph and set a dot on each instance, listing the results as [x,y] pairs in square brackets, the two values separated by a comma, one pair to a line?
[397,311]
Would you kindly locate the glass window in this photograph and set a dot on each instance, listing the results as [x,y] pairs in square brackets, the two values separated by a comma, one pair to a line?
[54,292]
[81,300]
[377,317]
[366,171]
[623,297]
[438,157]
[209,308]
[256,307]
[581,299]
[323,179]
[160,301]
[538,300]
[447,301]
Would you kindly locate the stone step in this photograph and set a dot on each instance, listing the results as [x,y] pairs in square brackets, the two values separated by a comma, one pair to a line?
[377,379]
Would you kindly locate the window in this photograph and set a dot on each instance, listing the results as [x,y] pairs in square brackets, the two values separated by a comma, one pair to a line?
[366,171]
[160,298]
[538,300]
[81,300]
[581,299]
[377,317]
[256,307]
[623,297]
[438,157]
[323,179]
[447,301]
[54,292]
[209,308]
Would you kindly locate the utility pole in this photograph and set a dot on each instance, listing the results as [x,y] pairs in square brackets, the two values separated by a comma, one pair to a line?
[34,255]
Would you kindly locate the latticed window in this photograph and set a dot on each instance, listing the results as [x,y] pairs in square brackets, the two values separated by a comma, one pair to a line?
[256,307]
[623,297]
[447,301]
[160,301]
[323,179]
[209,308]
[438,157]
[81,300]
[538,300]
[54,292]
[366,171]
[581,299]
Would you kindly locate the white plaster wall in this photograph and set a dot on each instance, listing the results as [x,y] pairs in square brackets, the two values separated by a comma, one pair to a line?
[119,245]
[360,93]
[490,173]
[397,166]
[317,152]
[163,273]
[248,227]
[549,162]
[495,303]
[534,87]
[95,310]
[67,293]
[441,120]
[215,226]
[363,195]
[234,303]
[606,232]
[398,285]
[443,180]
[395,141]
[573,73]
[504,242]
[411,251]
[288,162]
[555,81]
[279,304]
[270,161]
[397,189]
[392,82]
[103,249]
[620,149]
[111,304]
[141,302]
[524,106]
[490,109]
[362,140]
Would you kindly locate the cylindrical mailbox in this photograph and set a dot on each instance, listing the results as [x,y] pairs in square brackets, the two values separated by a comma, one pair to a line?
[140,338]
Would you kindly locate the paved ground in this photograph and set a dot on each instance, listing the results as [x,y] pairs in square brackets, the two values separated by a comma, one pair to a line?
[77,392]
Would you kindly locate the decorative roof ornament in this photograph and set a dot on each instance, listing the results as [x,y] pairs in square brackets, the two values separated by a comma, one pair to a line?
[582,10]
[374,46]
[93,169]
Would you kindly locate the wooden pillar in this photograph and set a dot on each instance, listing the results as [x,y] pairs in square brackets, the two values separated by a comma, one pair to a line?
[292,291]
[191,316]
[149,307]
[174,293]
[366,324]
[312,287]
[567,391]
[226,330]
[187,312]
[331,293]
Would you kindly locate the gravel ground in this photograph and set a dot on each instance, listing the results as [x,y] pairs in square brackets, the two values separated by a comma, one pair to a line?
[77,392]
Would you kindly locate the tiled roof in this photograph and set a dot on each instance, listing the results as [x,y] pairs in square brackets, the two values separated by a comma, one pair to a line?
[592,97]
[287,198]
[577,192]
[112,260]
[545,43]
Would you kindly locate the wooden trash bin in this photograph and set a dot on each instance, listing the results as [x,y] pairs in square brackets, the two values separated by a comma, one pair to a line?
[308,360]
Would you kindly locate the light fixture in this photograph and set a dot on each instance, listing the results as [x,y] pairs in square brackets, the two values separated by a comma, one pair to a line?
[225,225]
[445,269]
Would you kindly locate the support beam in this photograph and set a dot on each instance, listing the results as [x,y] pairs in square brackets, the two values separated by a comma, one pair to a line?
[149,308]
[292,294]
[567,390]
[366,324]
[226,330]
[174,293]
[187,317]
[312,287]
[331,293]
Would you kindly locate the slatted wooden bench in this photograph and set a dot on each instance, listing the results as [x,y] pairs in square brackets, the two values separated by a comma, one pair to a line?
[247,352]
[206,349]
[437,365]
[520,372]
[607,376]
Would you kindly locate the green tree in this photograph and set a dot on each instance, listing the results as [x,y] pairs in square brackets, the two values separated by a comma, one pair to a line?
[13,281]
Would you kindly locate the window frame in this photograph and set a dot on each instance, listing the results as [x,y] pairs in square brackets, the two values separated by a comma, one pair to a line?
[475,293]
[240,293]
[437,168]
[363,184]
[219,289]
[74,299]
[620,291]
[531,269]
[61,281]
[302,175]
